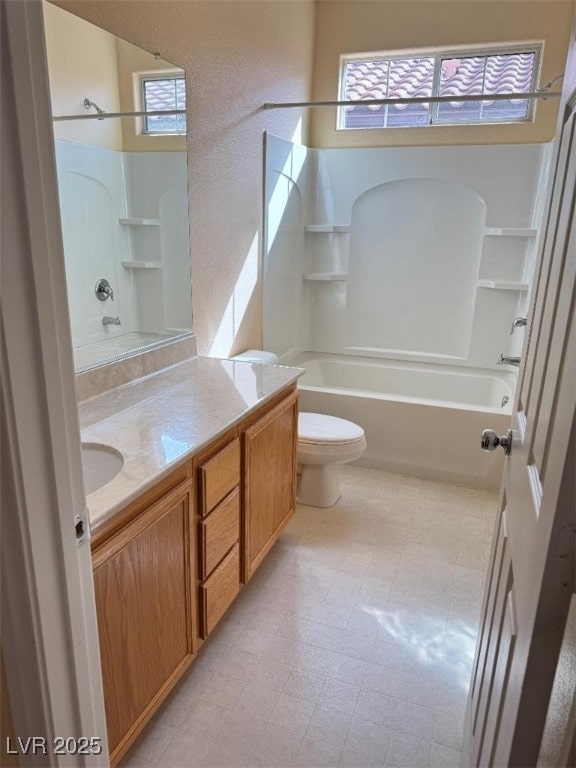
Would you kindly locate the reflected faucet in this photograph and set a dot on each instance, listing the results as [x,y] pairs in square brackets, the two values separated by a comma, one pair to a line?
[103,290]
[106,320]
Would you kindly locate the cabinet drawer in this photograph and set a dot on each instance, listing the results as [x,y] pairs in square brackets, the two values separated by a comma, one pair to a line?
[218,532]
[218,476]
[219,591]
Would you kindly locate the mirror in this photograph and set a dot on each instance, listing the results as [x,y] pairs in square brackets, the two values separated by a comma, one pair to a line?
[123,188]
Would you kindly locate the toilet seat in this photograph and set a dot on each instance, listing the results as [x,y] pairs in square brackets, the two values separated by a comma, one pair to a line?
[320,429]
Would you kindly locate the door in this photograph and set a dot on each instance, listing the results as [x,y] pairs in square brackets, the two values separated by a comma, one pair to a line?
[145,612]
[49,635]
[269,479]
[531,573]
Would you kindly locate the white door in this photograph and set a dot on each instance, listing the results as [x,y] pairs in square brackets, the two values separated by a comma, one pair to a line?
[531,573]
[48,614]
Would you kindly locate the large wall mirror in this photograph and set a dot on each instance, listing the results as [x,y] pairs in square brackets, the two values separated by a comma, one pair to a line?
[123,188]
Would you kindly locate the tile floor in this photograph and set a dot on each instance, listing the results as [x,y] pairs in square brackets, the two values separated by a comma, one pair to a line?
[351,646]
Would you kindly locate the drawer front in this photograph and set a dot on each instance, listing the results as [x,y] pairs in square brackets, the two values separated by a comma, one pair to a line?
[218,476]
[218,592]
[219,532]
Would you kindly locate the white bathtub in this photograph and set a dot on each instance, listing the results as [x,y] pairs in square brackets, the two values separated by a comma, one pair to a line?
[423,420]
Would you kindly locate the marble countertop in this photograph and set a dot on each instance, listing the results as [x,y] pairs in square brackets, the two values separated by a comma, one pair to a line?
[158,422]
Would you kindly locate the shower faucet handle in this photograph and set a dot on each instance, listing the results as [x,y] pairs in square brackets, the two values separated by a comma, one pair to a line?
[103,290]
[518,322]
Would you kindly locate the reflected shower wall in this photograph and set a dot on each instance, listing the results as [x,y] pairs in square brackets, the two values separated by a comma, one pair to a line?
[124,219]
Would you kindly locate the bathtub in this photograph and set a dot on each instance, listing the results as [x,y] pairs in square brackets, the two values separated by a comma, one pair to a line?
[423,420]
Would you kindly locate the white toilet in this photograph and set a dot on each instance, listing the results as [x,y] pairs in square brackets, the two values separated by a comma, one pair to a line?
[323,442]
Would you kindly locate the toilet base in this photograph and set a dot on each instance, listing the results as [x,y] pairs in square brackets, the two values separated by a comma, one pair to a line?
[318,485]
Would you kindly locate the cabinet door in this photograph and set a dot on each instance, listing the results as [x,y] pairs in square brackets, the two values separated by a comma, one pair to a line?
[269,478]
[144,605]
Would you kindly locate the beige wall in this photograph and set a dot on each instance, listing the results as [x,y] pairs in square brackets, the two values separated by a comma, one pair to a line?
[86,61]
[237,54]
[82,64]
[345,26]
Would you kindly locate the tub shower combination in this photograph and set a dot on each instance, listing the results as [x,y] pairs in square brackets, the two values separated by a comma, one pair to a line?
[393,276]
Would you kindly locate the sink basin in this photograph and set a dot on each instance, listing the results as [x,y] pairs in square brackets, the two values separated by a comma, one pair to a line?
[100,464]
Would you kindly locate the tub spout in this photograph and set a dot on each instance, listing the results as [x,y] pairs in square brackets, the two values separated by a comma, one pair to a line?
[518,322]
[106,320]
[509,360]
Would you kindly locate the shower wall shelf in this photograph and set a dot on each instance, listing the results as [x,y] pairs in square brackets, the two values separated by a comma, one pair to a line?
[510,232]
[142,264]
[503,285]
[135,221]
[324,228]
[326,277]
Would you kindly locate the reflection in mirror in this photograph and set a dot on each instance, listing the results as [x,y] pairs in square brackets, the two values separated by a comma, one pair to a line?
[123,186]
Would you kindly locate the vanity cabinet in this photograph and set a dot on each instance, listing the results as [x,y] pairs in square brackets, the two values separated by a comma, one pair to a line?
[269,451]
[168,566]
[146,611]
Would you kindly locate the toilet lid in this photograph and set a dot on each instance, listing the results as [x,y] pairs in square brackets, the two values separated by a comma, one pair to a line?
[319,428]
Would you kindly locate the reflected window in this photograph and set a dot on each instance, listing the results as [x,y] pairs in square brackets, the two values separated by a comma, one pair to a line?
[437,73]
[164,94]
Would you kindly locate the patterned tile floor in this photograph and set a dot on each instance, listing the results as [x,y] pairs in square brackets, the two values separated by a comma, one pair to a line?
[351,646]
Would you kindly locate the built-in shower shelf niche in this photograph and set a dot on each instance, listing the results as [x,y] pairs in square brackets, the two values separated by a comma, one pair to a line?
[326,277]
[503,285]
[509,232]
[136,221]
[142,264]
[326,228]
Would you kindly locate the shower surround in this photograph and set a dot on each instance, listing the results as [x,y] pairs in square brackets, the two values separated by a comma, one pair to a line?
[423,255]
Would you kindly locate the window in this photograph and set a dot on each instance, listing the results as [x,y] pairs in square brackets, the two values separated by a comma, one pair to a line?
[440,73]
[164,93]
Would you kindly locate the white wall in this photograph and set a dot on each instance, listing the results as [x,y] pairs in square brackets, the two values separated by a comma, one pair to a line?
[418,246]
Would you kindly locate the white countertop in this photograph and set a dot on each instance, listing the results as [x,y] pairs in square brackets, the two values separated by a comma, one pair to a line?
[161,421]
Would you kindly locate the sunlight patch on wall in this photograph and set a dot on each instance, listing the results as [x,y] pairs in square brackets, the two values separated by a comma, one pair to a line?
[237,305]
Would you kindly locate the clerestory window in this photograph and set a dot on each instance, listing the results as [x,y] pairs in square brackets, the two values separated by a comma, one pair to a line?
[438,73]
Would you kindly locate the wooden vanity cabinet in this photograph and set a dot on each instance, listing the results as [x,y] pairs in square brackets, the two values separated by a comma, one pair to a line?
[167,568]
[146,612]
[269,453]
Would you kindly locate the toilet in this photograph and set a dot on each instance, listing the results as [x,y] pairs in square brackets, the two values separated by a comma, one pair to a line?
[323,442]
